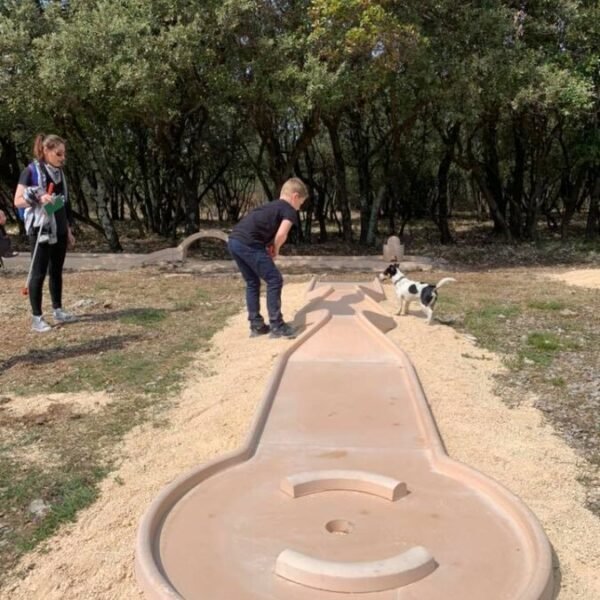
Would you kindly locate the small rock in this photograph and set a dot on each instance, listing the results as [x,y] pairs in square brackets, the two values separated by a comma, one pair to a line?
[38,508]
[567,312]
[84,302]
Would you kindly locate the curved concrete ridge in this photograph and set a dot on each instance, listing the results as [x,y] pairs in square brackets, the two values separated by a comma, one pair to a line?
[217,234]
[358,577]
[91,261]
[343,403]
[315,482]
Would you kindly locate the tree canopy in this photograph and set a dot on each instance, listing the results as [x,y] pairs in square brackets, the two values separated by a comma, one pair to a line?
[396,109]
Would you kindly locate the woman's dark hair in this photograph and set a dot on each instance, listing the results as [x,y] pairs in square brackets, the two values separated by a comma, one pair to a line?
[46,142]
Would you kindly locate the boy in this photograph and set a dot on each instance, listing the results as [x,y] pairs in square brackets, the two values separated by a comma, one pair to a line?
[254,242]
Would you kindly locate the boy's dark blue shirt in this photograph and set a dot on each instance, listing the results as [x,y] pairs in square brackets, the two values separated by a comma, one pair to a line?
[260,225]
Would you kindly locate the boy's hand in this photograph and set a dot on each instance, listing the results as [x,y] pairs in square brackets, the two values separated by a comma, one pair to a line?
[271,250]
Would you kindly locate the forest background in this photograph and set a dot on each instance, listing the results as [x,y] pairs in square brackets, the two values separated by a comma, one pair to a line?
[179,112]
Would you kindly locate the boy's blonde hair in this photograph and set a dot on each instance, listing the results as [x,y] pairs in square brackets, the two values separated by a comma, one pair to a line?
[294,185]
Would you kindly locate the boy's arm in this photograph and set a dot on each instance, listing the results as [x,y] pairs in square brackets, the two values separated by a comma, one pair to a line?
[281,236]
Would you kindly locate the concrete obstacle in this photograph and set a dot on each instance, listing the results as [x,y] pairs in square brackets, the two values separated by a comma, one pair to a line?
[342,487]
[393,249]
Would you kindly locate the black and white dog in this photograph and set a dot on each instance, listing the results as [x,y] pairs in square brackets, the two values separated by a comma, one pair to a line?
[410,291]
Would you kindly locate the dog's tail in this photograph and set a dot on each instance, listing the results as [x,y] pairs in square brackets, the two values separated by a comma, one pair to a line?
[444,281]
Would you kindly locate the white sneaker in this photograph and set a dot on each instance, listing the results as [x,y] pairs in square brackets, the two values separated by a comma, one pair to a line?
[63,317]
[39,325]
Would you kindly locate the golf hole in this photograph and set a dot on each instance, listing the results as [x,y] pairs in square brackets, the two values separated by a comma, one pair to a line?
[339,527]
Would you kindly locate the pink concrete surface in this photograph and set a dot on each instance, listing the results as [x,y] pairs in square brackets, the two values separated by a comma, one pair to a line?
[342,488]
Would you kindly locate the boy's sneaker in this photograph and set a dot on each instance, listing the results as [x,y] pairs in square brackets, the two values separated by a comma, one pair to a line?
[283,331]
[257,330]
[63,317]
[39,325]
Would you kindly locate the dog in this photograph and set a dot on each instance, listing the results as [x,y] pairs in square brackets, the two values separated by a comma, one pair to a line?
[411,291]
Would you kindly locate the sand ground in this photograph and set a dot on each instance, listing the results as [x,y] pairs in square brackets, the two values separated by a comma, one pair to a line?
[93,558]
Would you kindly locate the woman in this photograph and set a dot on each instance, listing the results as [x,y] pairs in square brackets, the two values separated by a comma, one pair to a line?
[42,193]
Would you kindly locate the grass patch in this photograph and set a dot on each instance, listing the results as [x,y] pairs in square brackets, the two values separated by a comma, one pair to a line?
[486,321]
[541,348]
[552,354]
[546,305]
[134,346]
[69,496]
[146,317]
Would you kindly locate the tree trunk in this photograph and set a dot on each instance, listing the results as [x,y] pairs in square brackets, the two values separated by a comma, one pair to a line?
[592,229]
[492,173]
[571,199]
[500,226]
[191,208]
[106,223]
[450,140]
[372,229]
[533,210]
[360,147]
[340,178]
[518,182]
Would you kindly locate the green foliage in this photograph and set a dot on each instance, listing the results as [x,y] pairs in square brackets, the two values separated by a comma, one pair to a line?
[167,104]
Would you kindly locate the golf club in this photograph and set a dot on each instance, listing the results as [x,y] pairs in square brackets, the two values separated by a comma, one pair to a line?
[25,289]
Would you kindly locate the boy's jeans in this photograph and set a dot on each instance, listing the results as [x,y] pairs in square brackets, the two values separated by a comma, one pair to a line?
[255,264]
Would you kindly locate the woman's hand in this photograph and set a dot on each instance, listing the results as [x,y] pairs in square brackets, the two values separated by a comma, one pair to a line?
[46,199]
[70,239]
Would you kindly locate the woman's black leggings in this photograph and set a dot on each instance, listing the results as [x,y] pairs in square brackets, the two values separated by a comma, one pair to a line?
[50,259]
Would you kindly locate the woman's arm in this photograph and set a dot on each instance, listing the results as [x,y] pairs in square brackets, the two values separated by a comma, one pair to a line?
[21,202]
